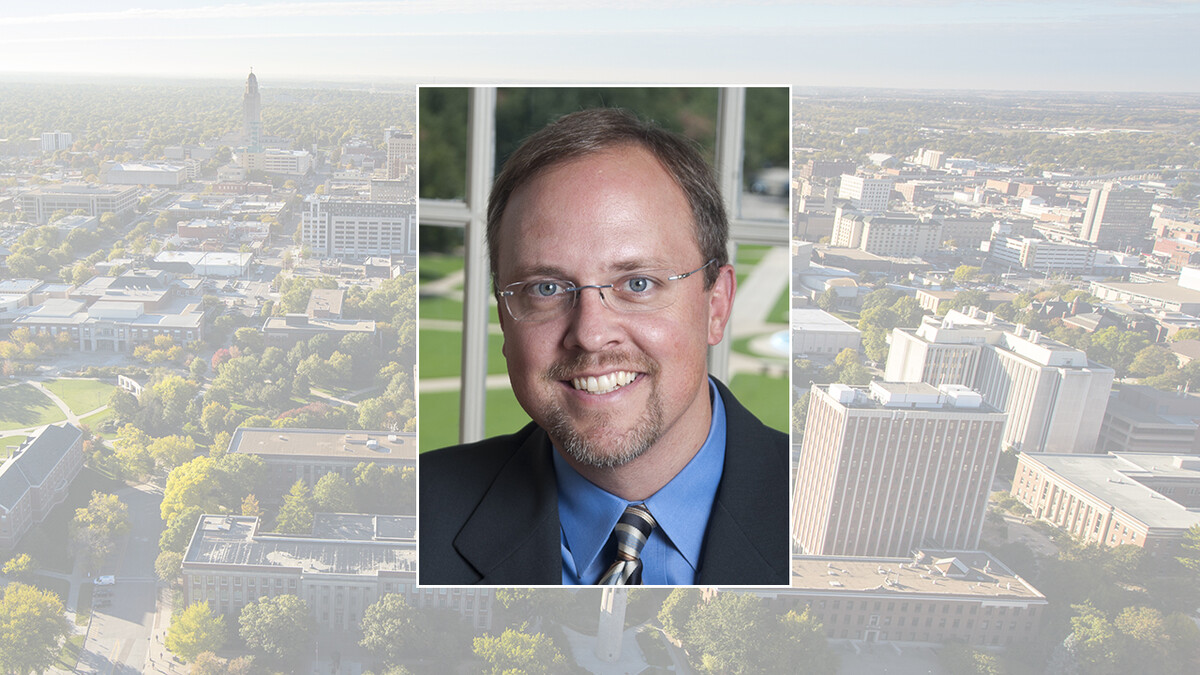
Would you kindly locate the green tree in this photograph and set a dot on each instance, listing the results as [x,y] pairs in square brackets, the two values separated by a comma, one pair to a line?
[1153,360]
[194,630]
[332,494]
[168,565]
[275,626]
[296,513]
[516,652]
[391,629]
[802,640]
[965,274]
[178,531]
[96,528]
[1186,334]
[677,610]
[32,628]
[964,299]
[20,567]
[1190,550]
[732,633]
[1094,640]
[169,452]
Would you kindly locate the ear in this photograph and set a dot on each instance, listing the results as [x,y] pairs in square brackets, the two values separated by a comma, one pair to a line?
[720,303]
[503,327]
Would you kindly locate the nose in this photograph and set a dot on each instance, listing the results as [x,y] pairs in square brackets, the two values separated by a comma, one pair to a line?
[594,325]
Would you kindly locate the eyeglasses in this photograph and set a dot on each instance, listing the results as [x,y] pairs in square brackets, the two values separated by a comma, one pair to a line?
[540,300]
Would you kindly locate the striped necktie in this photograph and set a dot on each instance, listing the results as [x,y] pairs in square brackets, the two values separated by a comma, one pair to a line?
[631,532]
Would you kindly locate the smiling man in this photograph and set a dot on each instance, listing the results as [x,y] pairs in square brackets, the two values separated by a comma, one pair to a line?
[607,238]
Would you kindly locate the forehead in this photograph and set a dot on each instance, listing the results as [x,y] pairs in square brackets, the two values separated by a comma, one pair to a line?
[610,210]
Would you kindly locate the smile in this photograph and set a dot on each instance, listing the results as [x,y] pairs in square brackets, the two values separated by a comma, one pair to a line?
[604,384]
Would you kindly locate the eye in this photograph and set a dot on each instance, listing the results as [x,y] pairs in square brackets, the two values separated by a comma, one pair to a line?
[639,284]
[544,289]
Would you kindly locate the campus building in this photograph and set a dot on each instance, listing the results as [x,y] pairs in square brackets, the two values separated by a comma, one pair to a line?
[1053,395]
[1040,255]
[308,454]
[886,235]
[1144,499]
[1144,419]
[893,468]
[924,599]
[337,227]
[401,153]
[816,332]
[38,205]
[346,564]
[1117,217]
[36,477]
[865,194]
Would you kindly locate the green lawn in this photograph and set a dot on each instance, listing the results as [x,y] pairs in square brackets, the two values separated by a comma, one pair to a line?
[47,543]
[7,441]
[437,265]
[81,395]
[437,307]
[750,255]
[781,310]
[96,420]
[766,397]
[23,406]
[438,425]
[83,608]
[441,353]
[68,659]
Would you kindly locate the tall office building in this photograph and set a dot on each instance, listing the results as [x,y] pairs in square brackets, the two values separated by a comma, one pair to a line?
[1055,398]
[401,152]
[252,114]
[894,468]
[358,227]
[865,194]
[1117,217]
[53,141]
[890,235]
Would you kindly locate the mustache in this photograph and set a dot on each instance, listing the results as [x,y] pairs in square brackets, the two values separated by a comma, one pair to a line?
[570,367]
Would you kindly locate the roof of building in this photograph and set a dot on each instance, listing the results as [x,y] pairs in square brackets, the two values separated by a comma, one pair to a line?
[1169,291]
[234,540]
[280,323]
[33,462]
[364,527]
[326,300]
[366,446]
[817,320]
[950,574]
[1112,479]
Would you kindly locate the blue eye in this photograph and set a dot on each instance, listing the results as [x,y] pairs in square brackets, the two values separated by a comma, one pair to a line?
[545,289]
[639,284]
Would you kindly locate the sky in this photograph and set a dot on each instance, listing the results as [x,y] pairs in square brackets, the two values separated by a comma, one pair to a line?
[1122,45]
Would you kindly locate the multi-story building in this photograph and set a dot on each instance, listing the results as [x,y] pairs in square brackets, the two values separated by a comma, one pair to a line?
[53,141]
[355,227]
[401,152]
[94,200]
[816,332]
[1144,499]
[925,599]
[252,113]
[36,478]
[1040,255]
[897,467]
[1144,419]
[891,235]
[866,194]
[274,160]
[341,569]
[146,174]
[308,454]
[1117,217]
[1054,396]
[826,168]
[285,331]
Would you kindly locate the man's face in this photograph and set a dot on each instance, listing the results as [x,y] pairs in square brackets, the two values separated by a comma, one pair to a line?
[589,221]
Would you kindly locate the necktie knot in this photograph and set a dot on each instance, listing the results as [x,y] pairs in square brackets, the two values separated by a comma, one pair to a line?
[632,530]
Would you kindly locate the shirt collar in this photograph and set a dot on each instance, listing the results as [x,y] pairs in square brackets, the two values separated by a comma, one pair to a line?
[588,513]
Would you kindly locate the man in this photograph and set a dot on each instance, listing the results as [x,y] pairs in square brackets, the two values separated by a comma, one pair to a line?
[607,240]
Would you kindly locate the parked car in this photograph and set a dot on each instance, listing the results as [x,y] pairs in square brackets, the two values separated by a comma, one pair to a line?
[106,580]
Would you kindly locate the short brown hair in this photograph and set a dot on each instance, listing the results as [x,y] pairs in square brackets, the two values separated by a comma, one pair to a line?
[590,131]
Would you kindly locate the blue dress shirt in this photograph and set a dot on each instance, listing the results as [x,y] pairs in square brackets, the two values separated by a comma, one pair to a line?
[587,515]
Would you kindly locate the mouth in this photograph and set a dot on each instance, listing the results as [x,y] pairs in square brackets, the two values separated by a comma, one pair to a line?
[603,384]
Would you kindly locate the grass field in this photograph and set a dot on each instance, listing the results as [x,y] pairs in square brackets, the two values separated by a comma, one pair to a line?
[96,420]
[7,441]
[81,395]
[439,417]
[23,406]
[766,396]
[437,265]
[437,307]
[441,353]
[780,312]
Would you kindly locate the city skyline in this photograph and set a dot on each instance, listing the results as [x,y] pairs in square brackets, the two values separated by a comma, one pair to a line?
[1060,45]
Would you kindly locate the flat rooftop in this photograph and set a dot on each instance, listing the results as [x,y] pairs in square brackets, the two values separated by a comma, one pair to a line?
[365,446]
[958,574]
[1113,479]
[232,540]
[817,320]
[1169,291]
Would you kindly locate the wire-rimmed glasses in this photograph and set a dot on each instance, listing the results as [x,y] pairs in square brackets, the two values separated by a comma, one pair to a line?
[538,300]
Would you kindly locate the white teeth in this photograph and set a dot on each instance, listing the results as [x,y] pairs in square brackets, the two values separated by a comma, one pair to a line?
[604,383]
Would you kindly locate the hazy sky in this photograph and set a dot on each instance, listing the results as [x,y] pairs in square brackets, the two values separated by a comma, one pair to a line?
[1146,45]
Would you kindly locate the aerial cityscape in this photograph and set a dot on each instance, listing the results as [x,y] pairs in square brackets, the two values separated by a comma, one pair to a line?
[232,300]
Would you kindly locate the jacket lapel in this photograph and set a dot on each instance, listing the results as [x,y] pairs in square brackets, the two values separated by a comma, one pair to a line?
[513,535]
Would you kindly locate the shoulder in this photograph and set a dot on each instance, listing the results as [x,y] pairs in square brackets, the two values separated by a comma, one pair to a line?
[743,426]
[462,468]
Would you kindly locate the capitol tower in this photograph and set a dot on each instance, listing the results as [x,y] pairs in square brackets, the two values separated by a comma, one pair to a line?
[252,113]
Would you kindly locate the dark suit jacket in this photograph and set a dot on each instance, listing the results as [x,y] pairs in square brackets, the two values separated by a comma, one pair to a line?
[489,510]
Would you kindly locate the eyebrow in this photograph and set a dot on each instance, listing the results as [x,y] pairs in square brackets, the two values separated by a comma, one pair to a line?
[553,272]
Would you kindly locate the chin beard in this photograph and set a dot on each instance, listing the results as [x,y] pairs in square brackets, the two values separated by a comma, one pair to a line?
[604,447]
